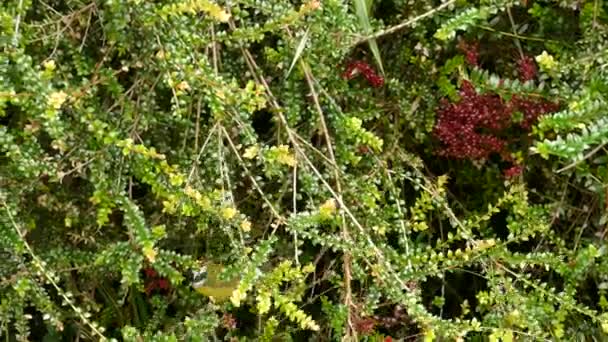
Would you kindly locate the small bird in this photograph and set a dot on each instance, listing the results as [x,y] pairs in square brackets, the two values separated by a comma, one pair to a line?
[206,281]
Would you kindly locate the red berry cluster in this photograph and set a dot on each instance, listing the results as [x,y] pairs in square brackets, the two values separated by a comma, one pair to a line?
[355,68]
[155,282]
[526,68]
[531,109]
[471,52]
[470,128]
[459,124]
[513,171]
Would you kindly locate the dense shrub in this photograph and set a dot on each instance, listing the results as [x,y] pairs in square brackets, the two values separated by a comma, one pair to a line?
[371,170]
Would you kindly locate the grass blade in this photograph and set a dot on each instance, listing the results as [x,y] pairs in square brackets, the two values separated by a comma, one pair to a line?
[362,9]
[299,51]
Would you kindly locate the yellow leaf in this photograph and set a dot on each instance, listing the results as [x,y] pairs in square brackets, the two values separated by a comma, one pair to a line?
[284,156]
[251,152]
[328,208]
[246,226]
[605,327]
[237,297]
[546,61]
[203,202]
[309,268]
[228,213]
[310,6]
[195,6]
[183,85]
[57,99]
[507,336]
[149,253]
[49,65]
[176,179]
[220,15]
[429,336]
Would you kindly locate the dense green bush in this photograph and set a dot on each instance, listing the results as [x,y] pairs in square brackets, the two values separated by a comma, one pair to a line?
[373,170]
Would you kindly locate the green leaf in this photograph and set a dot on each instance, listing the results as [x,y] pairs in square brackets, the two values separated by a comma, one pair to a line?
[299,51]
[362,9]
[462,21]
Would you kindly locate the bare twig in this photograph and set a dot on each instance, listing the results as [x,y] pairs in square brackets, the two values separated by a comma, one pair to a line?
[86,32]
[401,221]
[347,257]
[197,126]
[517,43]
[254,69]
[275,213]
[225,175]
[39,263]
[17,23]
[398,27]
[513,35]
[595,10]
[295,212]
[200,153]
[585,157]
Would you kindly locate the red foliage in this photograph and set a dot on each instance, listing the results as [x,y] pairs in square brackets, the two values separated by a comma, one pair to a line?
[359,67]
[365,325]
[513,171]
[532,109]
[526,68]
[154,281]
[150,272]
[470,128]
[471,52]
[458,125]
[162,283]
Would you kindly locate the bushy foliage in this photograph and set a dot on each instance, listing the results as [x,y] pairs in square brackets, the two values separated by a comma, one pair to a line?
[370,170]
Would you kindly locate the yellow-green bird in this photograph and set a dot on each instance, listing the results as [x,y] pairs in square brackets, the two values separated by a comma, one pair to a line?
[207,282]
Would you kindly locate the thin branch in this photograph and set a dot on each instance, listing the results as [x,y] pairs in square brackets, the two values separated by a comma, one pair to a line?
[347,257]
[200,153]
[401,221]
[86,32]
[295,212]
[595,10]
[225,176]
[197,127]
[517,42]
[548,294]
[253,181]
[254,68]
[513,35]
[585,157]
[17,22]
[39,264]
[398,27]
